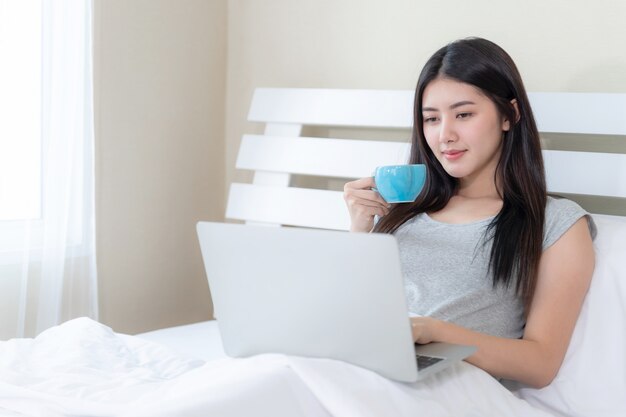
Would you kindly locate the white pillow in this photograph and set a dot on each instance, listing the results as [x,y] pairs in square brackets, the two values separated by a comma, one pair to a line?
[592,379]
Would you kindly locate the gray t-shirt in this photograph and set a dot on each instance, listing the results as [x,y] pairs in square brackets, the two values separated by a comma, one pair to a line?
[446,276]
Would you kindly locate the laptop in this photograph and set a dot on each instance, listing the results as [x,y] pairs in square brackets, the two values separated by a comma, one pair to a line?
[316,293]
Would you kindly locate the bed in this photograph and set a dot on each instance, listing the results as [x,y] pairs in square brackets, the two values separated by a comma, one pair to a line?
[313,140]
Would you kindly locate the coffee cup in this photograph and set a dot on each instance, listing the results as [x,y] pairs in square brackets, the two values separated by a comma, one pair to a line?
[400,183]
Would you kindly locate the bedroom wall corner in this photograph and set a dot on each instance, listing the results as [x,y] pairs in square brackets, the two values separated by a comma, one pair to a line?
[160,77]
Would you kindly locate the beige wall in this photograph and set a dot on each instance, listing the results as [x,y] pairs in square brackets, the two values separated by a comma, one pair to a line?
[174,76]
[160,90]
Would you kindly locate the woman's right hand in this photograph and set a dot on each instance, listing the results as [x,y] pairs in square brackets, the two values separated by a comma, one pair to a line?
[363,204]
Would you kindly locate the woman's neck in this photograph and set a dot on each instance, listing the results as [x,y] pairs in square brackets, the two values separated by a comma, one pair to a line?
[478,188]
[474,200]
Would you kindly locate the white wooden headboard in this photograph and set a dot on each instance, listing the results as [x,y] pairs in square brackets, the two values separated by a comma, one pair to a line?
[282,151]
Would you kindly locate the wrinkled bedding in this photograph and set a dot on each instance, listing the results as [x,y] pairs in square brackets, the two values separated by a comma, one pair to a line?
[83,368]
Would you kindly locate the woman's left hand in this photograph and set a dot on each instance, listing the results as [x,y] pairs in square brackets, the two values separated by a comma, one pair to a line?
[423,329]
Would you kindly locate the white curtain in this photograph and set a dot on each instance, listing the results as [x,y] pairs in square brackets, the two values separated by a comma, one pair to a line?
[47,255]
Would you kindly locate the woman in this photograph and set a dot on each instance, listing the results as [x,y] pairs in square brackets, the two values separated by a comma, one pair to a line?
[489,259]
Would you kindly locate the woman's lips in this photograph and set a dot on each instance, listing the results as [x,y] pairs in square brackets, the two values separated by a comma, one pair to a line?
[453,155]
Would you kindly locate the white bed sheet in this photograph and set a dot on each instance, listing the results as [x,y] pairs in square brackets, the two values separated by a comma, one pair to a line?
[83,368]
[199,340]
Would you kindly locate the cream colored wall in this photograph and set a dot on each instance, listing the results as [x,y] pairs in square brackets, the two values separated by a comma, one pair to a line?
[160,90]
[172,76]
[559,45]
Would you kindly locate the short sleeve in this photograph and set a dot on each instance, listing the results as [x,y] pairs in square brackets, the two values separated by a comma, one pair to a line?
[561,214]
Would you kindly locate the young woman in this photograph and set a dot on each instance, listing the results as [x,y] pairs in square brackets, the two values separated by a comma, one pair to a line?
[488,258]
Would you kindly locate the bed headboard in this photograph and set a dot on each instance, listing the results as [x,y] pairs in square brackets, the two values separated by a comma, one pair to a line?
[584,136]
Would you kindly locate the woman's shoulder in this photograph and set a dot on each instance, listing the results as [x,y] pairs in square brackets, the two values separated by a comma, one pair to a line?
[559,206]
[561,214]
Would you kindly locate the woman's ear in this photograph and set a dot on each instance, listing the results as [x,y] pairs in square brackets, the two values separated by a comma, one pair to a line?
[506,125]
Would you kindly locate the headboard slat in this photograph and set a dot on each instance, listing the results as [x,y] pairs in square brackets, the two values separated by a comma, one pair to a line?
[288,206]
[586,113]
[588,173]
[329,107]
[343,158]
[582,113]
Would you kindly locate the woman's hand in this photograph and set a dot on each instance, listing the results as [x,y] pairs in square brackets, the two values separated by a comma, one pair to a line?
[423,329]
[363,204]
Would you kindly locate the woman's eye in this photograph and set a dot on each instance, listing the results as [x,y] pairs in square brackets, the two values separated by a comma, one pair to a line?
[463,115]
[430,119]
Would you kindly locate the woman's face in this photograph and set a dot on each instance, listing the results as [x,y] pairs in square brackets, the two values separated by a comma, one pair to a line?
[463,129]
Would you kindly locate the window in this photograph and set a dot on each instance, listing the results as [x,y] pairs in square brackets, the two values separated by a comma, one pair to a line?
[46,127]
[47,233]
[20,109]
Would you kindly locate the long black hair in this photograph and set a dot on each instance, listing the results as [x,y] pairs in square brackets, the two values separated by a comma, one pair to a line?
[517,230]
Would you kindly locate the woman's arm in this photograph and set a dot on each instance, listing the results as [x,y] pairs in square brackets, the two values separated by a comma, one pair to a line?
[565,271]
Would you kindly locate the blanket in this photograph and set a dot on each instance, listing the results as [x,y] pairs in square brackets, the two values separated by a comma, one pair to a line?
[83,368]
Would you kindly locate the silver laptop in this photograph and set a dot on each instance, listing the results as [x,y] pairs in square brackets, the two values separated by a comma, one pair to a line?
[316,293]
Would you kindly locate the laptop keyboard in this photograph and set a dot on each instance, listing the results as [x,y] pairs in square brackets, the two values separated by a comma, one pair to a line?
[424,361]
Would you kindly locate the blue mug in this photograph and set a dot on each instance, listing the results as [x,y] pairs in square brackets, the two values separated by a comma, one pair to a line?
[400,183]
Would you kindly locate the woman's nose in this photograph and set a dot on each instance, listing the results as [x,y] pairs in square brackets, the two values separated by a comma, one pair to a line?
[446,132]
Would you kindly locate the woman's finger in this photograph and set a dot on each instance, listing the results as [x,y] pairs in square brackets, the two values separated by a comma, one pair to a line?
[362,184]
[365,195]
